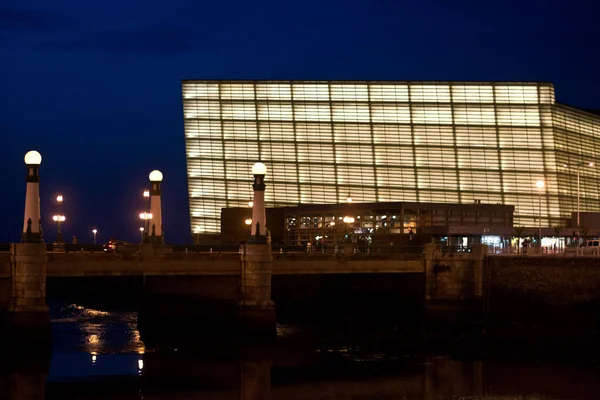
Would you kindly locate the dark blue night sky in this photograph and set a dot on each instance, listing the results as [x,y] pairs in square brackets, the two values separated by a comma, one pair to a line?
[96,86]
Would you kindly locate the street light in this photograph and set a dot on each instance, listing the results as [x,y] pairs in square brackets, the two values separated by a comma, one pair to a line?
[142,233]
[58,218]
[59,198]
[94,231]
[146,217]
[540,185]
[348,199]
[250,204]
[248,221]
[589,164]
[146,206]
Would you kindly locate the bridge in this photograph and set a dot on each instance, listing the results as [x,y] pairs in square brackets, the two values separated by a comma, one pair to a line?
[237,278]
[193,264]
[210,278]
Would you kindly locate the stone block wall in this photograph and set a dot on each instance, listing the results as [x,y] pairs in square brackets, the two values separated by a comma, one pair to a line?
[256,276]
[453,276]
[557,282]
[28,278]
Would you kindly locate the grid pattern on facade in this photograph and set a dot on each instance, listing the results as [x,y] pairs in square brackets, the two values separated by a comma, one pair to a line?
[448,142]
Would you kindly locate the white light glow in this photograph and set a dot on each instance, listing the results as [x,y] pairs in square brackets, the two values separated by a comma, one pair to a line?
[540,184]
[259,169]
[155,176]
[33,158]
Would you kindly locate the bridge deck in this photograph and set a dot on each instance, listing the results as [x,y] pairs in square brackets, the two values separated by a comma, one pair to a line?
[101,264]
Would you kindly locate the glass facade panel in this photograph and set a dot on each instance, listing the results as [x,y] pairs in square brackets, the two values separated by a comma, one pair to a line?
[449,142]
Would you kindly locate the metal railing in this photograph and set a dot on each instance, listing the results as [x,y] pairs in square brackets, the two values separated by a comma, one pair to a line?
[545,251]
[387,250]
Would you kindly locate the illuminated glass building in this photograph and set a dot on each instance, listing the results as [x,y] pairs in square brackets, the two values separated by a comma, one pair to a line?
[388,141]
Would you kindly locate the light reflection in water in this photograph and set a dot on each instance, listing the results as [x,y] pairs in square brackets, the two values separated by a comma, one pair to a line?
[113,343]
[105,331]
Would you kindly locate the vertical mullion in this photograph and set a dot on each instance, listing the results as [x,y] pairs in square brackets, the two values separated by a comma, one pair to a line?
[455,145]
[374,166]
[412,138]
[294,122]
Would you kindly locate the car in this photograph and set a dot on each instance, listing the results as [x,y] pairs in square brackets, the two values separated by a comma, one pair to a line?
[119,246]
[590,247]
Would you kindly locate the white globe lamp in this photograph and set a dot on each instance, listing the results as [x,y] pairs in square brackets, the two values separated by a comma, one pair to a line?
[33,158]
[259,169]
[155,176]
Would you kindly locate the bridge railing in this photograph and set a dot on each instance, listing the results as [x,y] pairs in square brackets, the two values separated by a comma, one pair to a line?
[384,250]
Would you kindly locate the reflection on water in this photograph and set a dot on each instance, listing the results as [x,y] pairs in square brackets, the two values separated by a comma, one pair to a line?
[98,354]
[93,343]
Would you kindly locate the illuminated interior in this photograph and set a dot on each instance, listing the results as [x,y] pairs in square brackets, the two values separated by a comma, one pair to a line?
[435,142]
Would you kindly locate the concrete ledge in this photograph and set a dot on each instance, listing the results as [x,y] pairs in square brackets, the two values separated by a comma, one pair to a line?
[345,265]
[176,264]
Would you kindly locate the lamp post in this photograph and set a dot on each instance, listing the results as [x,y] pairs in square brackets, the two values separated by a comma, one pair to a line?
[146,206]
[578,166]
[349,244]
[141,233]
[540,185]
[32,222]
[156,229]
[94,231]
[258,228]
[146,217]
[58,218]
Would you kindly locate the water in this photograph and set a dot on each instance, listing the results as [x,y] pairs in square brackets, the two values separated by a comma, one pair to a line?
[91,343]
[99,354]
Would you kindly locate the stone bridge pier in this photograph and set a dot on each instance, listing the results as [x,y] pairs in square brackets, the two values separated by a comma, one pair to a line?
[23,294]
[454,277]
[255,380]
[24,298]
[23,369]
[454,291]
[256,307]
